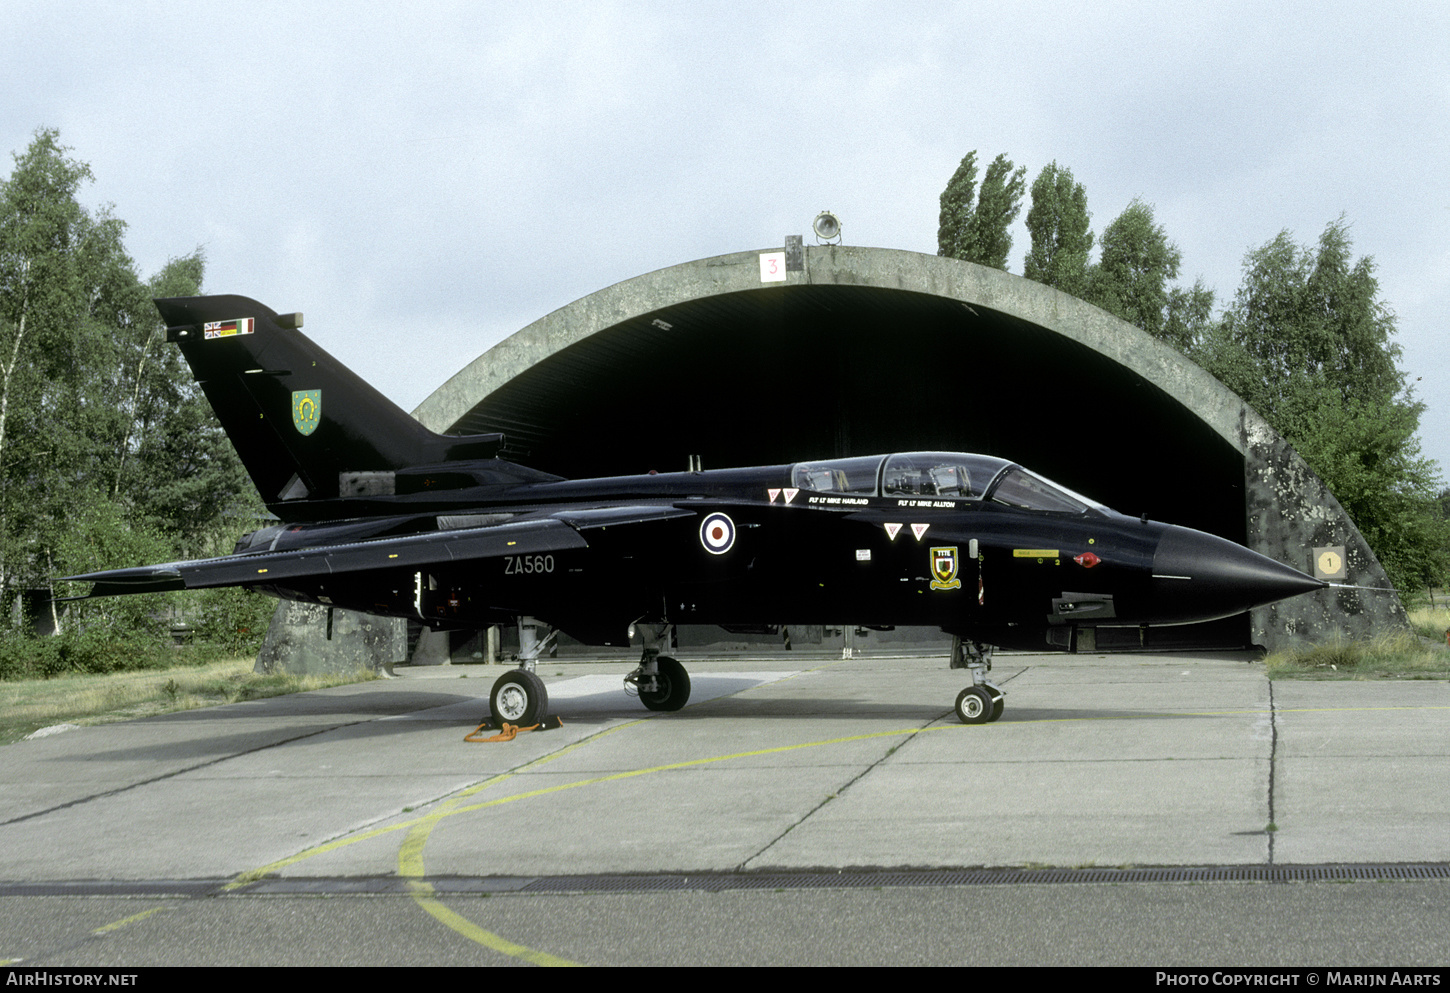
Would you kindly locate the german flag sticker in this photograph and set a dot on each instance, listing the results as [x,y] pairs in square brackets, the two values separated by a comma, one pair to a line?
[227,329]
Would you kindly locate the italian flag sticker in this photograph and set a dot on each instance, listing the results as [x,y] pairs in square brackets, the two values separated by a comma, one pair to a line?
[227,329]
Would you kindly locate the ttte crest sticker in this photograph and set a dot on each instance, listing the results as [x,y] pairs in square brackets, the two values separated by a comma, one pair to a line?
[944,569]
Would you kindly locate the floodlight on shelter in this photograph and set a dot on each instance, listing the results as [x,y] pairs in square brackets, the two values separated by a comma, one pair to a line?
[827,228]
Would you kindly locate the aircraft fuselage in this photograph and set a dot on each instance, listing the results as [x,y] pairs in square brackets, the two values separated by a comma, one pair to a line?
[974,567]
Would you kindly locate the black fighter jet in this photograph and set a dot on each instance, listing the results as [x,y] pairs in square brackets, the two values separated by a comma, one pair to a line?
[379,514]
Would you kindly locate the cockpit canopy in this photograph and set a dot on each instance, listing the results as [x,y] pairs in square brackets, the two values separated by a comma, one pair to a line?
[947,476]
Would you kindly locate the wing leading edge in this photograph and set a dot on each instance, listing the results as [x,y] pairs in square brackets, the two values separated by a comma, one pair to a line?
[557,532]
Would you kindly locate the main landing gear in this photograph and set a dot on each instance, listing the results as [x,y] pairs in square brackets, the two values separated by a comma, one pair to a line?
[980,703]
[519,697]
[662,683]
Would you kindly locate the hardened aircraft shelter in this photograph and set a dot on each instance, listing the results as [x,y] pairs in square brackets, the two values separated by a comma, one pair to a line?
[866,350]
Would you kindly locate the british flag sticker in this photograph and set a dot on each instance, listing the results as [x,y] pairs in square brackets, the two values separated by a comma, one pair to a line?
[227,329]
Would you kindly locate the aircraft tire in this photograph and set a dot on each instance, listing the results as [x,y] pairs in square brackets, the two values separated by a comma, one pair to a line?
[976,706]
[518,698]
[997,705]
[674,691]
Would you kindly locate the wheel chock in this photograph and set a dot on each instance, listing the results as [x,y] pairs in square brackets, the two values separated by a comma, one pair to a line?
[510,731]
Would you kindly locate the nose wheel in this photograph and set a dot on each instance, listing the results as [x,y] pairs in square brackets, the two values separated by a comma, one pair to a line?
[979,705]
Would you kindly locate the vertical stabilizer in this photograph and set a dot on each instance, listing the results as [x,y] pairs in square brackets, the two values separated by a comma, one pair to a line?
[299,419]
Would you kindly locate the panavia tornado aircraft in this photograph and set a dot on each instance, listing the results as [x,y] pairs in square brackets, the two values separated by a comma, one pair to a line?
[379,514]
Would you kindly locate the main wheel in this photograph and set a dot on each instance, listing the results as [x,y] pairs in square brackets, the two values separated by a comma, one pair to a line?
[519,698]
[997,708]
[674,686]
[975,705]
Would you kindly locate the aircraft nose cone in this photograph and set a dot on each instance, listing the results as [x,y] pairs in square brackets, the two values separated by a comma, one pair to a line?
[1201,577]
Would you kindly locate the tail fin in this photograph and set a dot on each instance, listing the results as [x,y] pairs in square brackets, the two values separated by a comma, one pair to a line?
[306,427]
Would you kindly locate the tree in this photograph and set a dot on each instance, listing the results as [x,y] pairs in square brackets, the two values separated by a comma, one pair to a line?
[1310,345]
[1132,275]
[43,292]
[97,534]
[958,201]
[1061,239]
[1312,326]
[1369,456]
[102,430]
[1188,318]
[173,465]
[978,232]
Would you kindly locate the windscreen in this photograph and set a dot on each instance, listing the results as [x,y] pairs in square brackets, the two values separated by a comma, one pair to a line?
[1020,488]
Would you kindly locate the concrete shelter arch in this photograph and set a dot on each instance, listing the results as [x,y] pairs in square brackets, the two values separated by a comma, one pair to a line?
[870,350]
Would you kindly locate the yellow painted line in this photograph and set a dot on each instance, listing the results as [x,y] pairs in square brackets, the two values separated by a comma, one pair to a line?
[410,853]
[410,864]
[473,932]
[114,925]
[253,875]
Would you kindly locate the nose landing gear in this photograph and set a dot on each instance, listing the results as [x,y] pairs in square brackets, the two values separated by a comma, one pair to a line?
[980,703]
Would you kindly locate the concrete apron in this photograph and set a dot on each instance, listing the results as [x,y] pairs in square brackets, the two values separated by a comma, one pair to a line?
[1122,760]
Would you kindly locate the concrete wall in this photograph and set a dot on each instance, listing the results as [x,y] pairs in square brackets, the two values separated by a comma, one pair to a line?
[297,641]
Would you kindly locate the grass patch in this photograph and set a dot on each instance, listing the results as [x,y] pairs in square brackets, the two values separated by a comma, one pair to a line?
[1395,656]
[27,705]
[1430,622]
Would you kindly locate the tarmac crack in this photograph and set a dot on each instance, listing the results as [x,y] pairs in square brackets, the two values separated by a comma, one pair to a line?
[744,865]
[1272,828]
[172,774]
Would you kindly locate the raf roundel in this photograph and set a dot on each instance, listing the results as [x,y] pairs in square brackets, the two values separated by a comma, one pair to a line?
[717,533]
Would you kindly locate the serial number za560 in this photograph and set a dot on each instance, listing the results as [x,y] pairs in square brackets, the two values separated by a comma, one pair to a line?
[519,565]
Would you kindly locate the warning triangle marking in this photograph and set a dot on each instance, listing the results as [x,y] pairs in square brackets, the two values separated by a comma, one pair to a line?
[919,530]
[773,494]
[892,530]
[789,494]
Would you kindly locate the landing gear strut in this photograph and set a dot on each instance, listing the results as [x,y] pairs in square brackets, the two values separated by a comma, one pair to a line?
[662,683]
[980,703]
[519,697]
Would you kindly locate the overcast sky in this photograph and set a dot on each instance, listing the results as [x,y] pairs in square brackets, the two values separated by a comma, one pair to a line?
[423,179]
